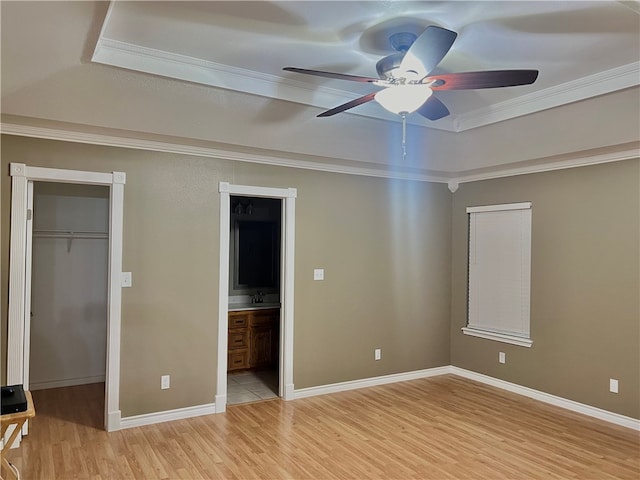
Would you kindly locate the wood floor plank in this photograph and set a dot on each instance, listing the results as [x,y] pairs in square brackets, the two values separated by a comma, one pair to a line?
[438,428]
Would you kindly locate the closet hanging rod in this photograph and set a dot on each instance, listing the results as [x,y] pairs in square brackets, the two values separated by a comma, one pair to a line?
[69,234]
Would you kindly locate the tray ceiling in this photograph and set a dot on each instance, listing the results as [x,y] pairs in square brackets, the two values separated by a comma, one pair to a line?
[582,49]
[205,78]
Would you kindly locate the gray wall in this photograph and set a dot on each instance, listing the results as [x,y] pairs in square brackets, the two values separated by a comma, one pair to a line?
[585,315]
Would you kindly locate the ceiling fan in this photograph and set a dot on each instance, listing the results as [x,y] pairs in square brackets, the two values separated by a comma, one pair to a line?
[405,76]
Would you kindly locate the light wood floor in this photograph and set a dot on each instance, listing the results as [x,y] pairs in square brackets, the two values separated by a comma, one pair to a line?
[442,427]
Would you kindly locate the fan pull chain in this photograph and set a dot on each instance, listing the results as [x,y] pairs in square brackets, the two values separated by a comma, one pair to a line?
[404,137]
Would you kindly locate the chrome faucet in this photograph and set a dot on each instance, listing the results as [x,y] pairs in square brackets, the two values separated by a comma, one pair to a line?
[257,298]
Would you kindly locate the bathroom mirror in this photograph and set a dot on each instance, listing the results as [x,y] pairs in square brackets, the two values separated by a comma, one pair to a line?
[256,254]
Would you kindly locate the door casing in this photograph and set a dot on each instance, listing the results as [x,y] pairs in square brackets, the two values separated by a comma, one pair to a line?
[18,338]
[288,197]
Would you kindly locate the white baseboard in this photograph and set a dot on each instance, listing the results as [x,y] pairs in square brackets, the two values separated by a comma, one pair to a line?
[167,415]
[289,392]
[221,403]
[67,382]
[582,408]
[551,399]
[370,382]
[113,421]
[208,409]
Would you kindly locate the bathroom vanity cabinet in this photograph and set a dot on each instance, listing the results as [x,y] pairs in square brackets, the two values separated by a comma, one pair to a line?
[253,338]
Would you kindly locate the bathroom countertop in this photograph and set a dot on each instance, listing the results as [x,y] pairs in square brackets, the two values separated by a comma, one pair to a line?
[236,307]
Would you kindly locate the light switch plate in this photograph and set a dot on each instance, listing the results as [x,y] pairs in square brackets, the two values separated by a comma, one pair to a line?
[613,385]
[125,279]
[318,274]
[502,358]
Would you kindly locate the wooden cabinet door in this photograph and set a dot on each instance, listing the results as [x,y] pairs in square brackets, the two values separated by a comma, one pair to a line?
[261,346]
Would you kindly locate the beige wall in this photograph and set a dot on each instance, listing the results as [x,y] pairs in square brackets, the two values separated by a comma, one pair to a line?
[585,286]
[394,255]
[385,247]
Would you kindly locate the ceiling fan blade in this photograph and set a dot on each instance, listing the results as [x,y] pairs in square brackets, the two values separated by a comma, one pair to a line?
[433,109]
[348,105]
[488,79]
[428,50]
[339,76]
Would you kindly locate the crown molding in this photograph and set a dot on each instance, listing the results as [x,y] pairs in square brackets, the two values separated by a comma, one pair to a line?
[586,87]
[149,60]
[582,160]
[172,65]
[453,180]
[293,161]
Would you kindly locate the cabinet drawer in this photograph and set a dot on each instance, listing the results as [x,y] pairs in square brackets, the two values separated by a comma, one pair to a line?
[238,359]
[265,318]
[238,339]
[238,320]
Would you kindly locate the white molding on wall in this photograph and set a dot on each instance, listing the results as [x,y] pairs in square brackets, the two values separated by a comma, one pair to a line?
[167,416]
[21,175]
[594,85]
[173,65]
[452,180]
[149,60]
[288,196]
[371,382]
[588,410]
[567,404]
[584,161]
[67,382]
[574,406]
[182,149]
[498,337]
[17,274]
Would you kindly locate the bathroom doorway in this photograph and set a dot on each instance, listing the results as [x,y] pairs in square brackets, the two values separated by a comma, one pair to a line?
[262,316]
[254,299]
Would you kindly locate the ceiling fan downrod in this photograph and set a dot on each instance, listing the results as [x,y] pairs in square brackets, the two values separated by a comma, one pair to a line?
[404,136]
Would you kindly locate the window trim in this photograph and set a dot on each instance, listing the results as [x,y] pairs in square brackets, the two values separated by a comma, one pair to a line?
[499,337]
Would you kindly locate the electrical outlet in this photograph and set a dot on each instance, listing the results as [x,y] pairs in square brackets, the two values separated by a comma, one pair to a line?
[502,357]
[377,354]
[165,382]
[613,385]
[318,274]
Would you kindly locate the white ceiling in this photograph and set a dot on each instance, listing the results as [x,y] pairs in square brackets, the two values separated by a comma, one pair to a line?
[582,49]
[184,57]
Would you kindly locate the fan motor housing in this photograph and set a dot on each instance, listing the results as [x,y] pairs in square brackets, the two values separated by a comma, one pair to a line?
[400,42]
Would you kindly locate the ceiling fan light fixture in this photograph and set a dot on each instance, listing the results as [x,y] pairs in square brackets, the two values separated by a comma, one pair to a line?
[400,99]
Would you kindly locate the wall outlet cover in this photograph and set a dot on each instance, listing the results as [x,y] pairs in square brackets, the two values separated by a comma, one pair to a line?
[165,382]
[318,274]
[377,354]
[502,357]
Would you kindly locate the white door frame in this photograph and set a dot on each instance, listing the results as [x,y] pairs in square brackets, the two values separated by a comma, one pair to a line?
[288,197]
[18,340]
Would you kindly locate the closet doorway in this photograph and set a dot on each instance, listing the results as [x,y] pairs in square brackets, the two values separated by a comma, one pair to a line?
[23,178]
[68,328]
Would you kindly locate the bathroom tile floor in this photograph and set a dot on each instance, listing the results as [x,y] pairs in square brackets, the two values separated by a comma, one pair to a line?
[251,386]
